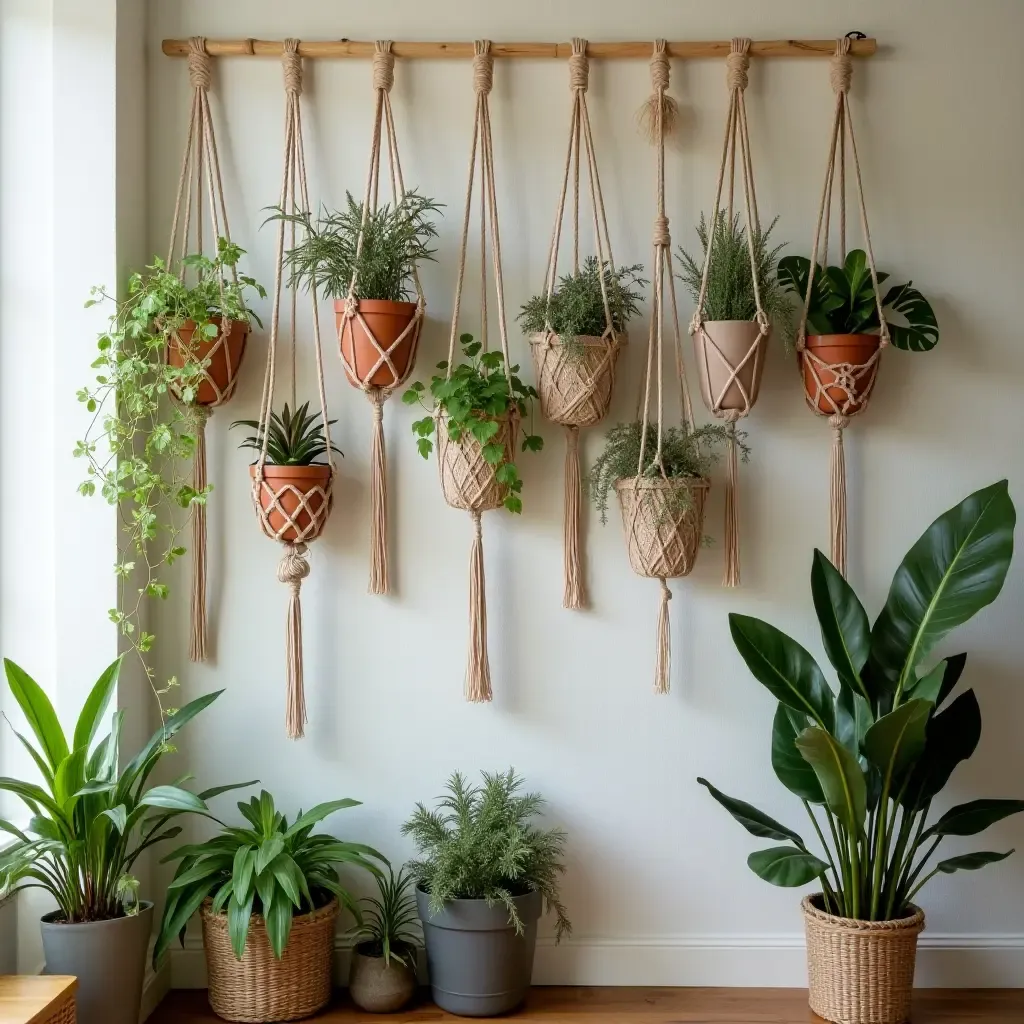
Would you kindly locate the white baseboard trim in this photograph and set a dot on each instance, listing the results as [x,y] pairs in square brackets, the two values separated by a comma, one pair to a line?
[770,961]
[156,985]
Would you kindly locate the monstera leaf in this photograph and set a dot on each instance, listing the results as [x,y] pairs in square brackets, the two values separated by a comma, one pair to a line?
[921,330]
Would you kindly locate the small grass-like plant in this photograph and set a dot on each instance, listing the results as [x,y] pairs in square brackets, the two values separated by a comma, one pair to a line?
[481,844]
[294,438]
[389,928]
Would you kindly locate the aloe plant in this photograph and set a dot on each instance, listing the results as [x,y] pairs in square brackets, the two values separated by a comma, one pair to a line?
[293,438]
[870,758]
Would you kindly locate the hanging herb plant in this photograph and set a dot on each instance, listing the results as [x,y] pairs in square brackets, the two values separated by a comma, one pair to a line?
[139,444]
[475,399]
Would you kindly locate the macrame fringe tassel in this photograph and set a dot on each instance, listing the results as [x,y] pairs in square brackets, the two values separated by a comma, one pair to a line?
[732,514]
[293,569]
[663,661]
[837,489]
[378,500]
[478,672]
[197,633]
[575,596]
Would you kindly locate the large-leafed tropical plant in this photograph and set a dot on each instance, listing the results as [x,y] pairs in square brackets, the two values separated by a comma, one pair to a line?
[869,759]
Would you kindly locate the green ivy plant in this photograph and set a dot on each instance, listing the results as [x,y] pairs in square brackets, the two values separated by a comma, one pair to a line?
[476,395]
[389,928]
[870,758]
[843,302]
[294,438]
[139,445]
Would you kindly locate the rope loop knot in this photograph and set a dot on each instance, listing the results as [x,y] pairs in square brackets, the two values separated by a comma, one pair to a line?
[841,69]
[294,567]
[292,64]
[661,69]
[200,71]
[661,236]
[579,66]
[383,65]
[737,63]
[483,67]
[838,422]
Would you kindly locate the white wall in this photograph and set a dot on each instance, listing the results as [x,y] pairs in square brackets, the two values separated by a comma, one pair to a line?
[657,885]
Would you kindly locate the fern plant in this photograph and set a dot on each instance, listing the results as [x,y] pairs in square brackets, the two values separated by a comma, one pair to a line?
[481,844]
[294,438]
[389,922]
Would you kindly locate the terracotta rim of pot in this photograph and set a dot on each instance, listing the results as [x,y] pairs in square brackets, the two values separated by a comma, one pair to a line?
[865,341]
[394,306]
[313,472]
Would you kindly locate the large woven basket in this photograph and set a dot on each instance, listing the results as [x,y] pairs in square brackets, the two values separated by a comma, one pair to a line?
[860,972]
[467,479]
[575,386]
[261,988]
[662,542]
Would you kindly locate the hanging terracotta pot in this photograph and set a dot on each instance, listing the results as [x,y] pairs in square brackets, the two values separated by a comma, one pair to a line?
[845,366]
[388,321]
[575,384]
[224,353]
[295,501]
[730,362]
[468,480]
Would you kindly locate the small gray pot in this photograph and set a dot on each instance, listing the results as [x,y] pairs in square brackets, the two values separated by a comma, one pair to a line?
[377,986]
[109,960]
[478,966]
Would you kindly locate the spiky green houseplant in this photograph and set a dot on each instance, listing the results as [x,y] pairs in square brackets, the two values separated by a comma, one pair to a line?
[389,928]
[293,438]
[868,760]
[481,844]
[267,867]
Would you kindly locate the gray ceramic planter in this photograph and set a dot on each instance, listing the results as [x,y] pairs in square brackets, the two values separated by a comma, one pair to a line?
[109,960]
[378,987]
[478,966]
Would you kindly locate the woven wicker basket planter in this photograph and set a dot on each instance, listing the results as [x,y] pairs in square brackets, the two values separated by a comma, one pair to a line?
[860,972]
[575,387]
[661,543]
[467,478]
[261,988]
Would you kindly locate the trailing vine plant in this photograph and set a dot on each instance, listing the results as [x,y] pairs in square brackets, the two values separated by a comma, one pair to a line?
[141,439]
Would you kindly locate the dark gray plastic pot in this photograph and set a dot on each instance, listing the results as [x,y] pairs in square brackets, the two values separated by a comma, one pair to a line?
[109,960]
[478,966]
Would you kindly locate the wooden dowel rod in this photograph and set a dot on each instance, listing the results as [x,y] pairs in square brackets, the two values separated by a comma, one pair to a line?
[354,48]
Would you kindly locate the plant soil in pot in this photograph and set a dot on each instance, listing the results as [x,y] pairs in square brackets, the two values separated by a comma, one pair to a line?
[379,985]
[107,957]
[295,500]
[860,972]
[365,362]
[730,358]
[224,353]
[843,365]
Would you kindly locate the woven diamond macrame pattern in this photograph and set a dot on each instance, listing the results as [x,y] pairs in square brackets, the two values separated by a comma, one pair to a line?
[853,381]
[467,479]
[184,346]
[575,387]
[662,544]
[303,511]
[352,320]
[742,377]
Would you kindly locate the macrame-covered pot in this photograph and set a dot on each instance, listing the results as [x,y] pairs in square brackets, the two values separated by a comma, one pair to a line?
[839,371]
[378,345]
[468,480]
[221,357]
[662,542]
[575,384]
[292,502]
[860,972]
[730,363]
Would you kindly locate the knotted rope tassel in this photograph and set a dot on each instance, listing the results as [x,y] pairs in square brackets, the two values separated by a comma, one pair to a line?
[837,492]
[647,115]
[575,595]
[293,569]
[197,647]
[378,498]
[663,662]
[732,510]
[478,671]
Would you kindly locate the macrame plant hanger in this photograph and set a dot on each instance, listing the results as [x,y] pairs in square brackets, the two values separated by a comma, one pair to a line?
[200,182]
[730,356]
[396,357]
[468,481]
[576,386]
[662,538]
[839,391]
[291,514]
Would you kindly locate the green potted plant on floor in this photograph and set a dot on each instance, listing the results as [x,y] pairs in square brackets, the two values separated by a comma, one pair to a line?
[269,895]
[869,760]
[382,978]
[485,874]
[91,819]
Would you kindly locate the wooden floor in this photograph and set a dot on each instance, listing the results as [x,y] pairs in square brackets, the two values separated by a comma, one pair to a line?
[653,1006]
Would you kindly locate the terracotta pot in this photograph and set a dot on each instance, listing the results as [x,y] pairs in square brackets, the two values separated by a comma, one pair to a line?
[224,354]
[379,986]
[723,347]
[860,972]
[388,321]
[467,479]
[292,502]
[575,388]
[845,355]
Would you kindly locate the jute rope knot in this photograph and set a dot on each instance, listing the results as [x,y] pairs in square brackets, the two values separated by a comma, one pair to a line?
[294,566]
[377,398]
[661,236]
[383,65]
[483,67]
[838,422]
[579,66]
[841,67]
[200,69]
[661,70]
[291,62]
[737,63]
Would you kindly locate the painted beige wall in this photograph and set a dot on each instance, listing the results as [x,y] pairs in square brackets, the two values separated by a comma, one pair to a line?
[657,884]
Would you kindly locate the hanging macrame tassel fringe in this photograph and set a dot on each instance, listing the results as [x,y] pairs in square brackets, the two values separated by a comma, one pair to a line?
[293,569]
[732,513]
[378,499]
[837,488]
[197,634]
[478,672]
[575,595]
[647,115]
[663,661]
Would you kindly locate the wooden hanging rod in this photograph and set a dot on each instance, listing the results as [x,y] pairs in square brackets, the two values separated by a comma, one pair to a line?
[354,48]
